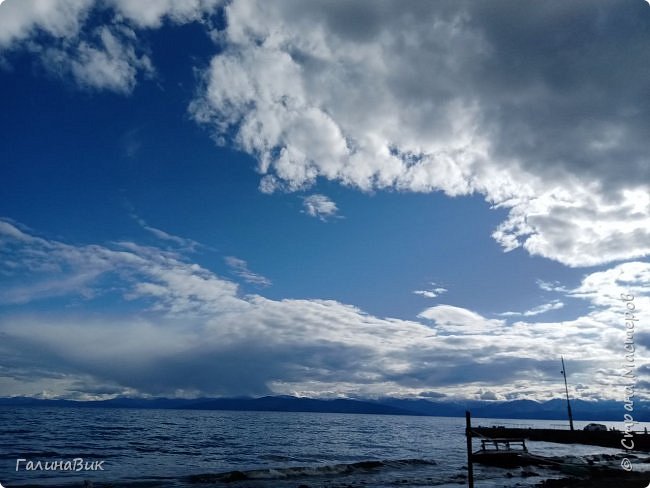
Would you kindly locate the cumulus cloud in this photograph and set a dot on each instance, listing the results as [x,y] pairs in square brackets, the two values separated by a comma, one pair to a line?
[459,320]
[64,19]
[440,97]
[21,18]
[239,267]
[319,206]
[152,13]
[104,57]
[605,288]
[106,61]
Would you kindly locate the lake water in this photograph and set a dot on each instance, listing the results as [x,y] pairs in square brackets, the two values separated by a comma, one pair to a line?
[183,448]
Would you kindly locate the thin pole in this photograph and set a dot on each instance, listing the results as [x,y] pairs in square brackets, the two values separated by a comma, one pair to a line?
[468,434]
[566,388]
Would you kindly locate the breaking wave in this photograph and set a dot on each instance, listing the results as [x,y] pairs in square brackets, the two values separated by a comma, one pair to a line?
[308,471]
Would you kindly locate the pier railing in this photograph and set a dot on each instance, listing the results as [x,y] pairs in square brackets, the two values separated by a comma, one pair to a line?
[513,425]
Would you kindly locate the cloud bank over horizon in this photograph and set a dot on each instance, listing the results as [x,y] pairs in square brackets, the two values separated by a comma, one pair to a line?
[189,332]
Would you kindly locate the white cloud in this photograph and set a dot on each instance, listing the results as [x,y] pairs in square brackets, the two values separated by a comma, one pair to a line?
[545,307]
[108,61]
[551,286]
[456,320]
[151,13]
[9,231]
[604,288]
[183,242]
[240,268]
[47,268]
[578,228]
[426,293]
[63,19]
[432,293]
[422,98]
[320,206]
[60,18]
[104,57]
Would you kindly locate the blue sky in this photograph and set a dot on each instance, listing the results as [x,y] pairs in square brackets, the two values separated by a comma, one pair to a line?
[237,198]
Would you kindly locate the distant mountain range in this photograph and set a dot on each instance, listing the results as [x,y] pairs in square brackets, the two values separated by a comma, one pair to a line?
[518,409]
[555,409]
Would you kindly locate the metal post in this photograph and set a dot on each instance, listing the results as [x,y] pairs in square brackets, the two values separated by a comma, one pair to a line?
[566,388]
[468,434]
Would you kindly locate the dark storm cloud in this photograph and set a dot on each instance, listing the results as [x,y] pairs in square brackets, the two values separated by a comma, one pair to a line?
[566,85]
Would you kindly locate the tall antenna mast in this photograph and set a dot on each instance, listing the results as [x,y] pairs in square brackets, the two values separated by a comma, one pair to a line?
[566,388]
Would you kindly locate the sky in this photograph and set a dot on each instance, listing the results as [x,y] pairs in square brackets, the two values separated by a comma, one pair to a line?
[327,199]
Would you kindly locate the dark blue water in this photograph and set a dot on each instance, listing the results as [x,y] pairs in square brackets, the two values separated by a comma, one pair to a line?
[183,448]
